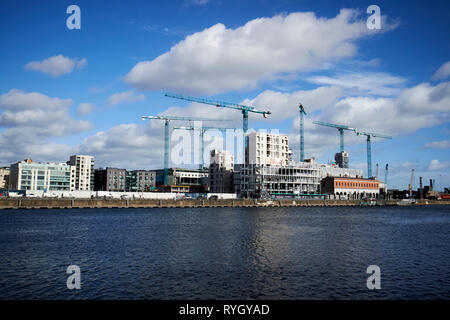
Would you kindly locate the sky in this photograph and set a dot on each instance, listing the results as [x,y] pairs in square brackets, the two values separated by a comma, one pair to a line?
[83,91]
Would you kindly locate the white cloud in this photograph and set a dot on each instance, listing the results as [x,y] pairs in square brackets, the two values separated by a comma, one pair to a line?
[19,100]
[285,105]
[81,63]
[377,83]
[196,2]
[443,72]
[56,65]
[444,144]
[85,109]
[30,121]
[127,146]
[425,98]
[436,165]
[124,97]
[218,59]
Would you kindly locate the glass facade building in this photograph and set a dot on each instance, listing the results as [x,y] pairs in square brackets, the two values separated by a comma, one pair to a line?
[29,175]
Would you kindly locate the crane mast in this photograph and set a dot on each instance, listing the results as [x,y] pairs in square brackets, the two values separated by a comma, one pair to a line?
[302,139]
[369,135]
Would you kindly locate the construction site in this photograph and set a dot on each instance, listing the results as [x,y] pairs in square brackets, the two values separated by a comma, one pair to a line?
[267,171]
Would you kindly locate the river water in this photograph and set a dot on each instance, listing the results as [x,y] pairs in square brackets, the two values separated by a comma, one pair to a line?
[226,253]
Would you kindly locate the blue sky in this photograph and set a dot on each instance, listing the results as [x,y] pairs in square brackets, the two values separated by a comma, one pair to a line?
[83,91]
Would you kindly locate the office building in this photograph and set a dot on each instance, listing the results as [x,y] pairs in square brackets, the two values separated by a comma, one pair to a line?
[350,188]
[30,175]
[183,180]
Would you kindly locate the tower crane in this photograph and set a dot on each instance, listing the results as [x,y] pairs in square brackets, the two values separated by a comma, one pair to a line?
[302,140]
[221,104]
[167,120]
[202,142]
[340,128]
[369,149]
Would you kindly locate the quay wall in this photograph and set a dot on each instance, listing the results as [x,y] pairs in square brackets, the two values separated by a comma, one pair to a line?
[34,203]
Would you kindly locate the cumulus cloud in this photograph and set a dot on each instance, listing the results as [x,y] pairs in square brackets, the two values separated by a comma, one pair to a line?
[85,109]
[418,107]
[220,59]
[30,121]
[124,97]
[56,65]
[127,146]
[444,144]
[443,72]
[436,165]
[425,98]
[285,105]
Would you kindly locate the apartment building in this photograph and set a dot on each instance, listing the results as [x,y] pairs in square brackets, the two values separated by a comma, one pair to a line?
[110,179]
[267,149]
[140,180]
[83,172]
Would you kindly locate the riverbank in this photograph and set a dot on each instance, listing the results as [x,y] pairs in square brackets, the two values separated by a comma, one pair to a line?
[24,203]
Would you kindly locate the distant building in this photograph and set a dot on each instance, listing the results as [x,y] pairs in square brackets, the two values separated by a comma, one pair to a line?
[221,170]
[110,179]
[183,180]
[341,159]
[267,149]
[4,178]
[350,188]
[329,170]
[83,172]
[30,175]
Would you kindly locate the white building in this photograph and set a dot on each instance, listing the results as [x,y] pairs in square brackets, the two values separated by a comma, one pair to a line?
[30,175]
[267,149]
[221,170]
[82,176]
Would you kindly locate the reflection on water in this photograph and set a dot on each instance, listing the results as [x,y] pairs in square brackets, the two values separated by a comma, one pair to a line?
[226,253]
